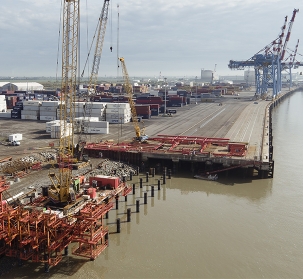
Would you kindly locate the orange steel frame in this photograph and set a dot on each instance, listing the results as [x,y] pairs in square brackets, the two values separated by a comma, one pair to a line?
[28,233]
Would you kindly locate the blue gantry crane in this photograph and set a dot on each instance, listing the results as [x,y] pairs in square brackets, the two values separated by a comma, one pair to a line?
[267,63]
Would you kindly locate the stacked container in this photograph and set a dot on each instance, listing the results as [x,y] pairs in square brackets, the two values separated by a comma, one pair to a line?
[58,131]
[3,107]
[154,109]
[79,122]
[144,111]
[49,124]
[95,109]
[118,113]
[48,110]
[96,127]
[31,110]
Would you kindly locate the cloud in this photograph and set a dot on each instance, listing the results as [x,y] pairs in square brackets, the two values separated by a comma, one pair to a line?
[175,37]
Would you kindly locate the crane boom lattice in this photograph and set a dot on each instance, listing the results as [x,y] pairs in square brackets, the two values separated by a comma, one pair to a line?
[140,136]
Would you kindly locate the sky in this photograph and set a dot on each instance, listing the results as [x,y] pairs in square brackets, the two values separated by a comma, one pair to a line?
[156,37]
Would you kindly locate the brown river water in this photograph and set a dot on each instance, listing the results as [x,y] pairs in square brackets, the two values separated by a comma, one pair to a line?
[231,228]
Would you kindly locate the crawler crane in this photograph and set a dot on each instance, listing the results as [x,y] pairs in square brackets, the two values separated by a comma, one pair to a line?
[140,135]
[59,192]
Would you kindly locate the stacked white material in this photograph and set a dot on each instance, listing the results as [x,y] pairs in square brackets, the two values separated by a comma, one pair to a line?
[78,110]
[3,107]
[31,110]
[95,109]
[49,124]
[118,113]
[59,131]
[96,127]
[79,122]
[48,110]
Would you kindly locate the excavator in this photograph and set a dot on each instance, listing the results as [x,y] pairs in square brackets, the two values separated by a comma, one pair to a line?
[140,133]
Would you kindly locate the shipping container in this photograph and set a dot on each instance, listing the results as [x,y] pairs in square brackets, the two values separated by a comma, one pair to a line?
[104,182]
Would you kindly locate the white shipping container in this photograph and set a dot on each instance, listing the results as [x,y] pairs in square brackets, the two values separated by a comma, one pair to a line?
[32,103]
[51,123]
[79,104]
[31,107]
[48,113]
[30,112]
[50,103]
[96,124]
[5,115]
[29,117]
[47,117]
[54,108]
[95,105]
[96,130]
[118,110]
[117,105]
[13,137]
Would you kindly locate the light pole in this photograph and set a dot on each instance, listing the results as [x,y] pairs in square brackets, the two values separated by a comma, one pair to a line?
[165,96]
[196,89]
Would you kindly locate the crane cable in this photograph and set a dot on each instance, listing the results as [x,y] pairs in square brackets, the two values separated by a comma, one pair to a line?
[59,36]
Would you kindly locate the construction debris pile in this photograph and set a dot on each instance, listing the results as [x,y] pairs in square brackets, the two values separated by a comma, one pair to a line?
[112,168]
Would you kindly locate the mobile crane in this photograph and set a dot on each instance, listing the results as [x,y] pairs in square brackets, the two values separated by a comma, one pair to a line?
[140,134]
[60,192]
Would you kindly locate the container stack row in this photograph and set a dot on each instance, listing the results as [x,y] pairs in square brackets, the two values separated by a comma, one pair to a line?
[118,113]
[3,106]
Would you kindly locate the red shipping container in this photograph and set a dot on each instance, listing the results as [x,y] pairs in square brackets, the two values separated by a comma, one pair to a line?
[109,182]
[92,193]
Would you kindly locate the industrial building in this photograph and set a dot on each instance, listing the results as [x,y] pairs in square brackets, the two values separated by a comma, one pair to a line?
[20,86]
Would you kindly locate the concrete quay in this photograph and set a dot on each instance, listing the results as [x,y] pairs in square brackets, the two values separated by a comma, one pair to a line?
[240,119]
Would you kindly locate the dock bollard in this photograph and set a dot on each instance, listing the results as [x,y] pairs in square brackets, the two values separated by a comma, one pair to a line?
[169,174]
[152,191]
[131,176]
[66,251]
[137,205]
[140,182]
[46,264]
[118,226]
[159,184]
[134,188]
[129,212]
[117,203]
[138,171]
[123,178]
[106,215]
[164,178]
[106,239]
[153,172]
[145,198]
[146,176]
[126,198]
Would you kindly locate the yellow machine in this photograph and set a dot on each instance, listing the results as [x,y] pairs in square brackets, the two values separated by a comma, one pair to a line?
[59,191]
[140,135]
